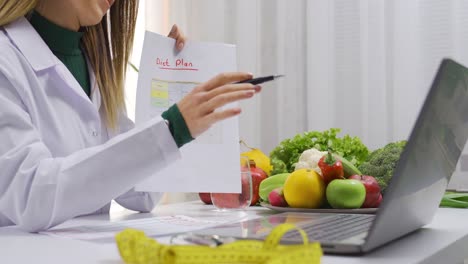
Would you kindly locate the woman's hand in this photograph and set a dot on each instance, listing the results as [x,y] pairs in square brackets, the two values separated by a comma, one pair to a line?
[178,36]
[200,108]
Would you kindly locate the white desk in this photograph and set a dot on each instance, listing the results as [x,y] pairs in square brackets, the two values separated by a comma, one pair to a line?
[445,240]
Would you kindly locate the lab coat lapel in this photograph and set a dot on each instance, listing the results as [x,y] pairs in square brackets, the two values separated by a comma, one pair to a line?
[31,45]
[40,57]
[95,92]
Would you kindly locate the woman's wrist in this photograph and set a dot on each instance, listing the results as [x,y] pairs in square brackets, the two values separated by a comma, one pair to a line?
[177,125]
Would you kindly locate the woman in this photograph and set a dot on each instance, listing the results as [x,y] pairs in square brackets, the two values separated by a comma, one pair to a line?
[67,147]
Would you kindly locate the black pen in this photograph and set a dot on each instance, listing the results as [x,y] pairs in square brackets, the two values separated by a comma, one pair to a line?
[260,80]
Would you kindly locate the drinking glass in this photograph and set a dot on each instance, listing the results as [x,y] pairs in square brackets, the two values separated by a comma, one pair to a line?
[226,201]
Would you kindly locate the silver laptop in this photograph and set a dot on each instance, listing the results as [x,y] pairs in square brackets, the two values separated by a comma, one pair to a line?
[416,188]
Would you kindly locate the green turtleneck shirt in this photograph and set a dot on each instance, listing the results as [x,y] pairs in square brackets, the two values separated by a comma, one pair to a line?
[66,46]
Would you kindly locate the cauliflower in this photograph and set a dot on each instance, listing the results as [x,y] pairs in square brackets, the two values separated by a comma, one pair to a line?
[309,160]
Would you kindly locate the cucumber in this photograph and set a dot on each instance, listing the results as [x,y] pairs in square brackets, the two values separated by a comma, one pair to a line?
[348,168]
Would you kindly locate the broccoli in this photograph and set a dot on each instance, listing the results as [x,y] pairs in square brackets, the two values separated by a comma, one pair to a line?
[382,162]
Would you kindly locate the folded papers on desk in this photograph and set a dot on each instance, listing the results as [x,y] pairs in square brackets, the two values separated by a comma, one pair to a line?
[153,226]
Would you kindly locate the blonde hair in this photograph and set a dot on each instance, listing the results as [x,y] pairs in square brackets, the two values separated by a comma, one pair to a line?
[108,46]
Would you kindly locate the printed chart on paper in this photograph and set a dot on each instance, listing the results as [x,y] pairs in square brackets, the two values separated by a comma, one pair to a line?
[165,93]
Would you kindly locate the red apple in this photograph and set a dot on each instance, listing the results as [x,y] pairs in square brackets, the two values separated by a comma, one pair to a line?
[373,195]
[205,197]
[377,203]
[258,175]
[276,198]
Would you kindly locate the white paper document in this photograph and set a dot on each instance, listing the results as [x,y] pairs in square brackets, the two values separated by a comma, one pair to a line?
[154,226]
[210,163]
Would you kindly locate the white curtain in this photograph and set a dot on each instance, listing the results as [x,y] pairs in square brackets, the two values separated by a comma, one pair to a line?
[362,66]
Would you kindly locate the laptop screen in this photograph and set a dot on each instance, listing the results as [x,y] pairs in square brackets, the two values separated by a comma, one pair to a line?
[429,158]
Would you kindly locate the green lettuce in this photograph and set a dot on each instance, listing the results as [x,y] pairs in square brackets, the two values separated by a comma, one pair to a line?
[289,150]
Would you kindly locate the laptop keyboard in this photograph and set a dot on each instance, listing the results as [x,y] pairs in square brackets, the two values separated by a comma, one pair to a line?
[334,228]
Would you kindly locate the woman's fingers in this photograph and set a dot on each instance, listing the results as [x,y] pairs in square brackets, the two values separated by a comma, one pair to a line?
[226,98]
[228,88]
[225,78]
[212,118]
[203,106]
[217,116]
[179,37]
[200,114]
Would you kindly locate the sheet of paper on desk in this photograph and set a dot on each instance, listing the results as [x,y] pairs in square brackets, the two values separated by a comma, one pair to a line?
[154,226]
[210,163]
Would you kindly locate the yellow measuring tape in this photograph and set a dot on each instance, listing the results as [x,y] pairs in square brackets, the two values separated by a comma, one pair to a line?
[136,248]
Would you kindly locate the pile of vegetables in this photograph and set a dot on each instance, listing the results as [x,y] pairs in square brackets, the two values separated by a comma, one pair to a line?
[330,158]
[305,150]
[287,153]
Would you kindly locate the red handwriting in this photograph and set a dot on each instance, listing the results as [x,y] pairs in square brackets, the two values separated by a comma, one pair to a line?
[183,63]
[162,62]
[180,65]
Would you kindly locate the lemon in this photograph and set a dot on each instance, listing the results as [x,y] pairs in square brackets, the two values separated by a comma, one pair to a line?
[262,161]
[304,188]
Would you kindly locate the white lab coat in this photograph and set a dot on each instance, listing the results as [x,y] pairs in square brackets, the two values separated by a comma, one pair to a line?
[57,159]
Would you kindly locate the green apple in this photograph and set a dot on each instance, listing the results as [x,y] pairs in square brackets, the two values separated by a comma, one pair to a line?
[346,194]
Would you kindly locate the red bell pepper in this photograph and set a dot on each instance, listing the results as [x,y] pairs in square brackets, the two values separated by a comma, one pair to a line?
[331,168]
